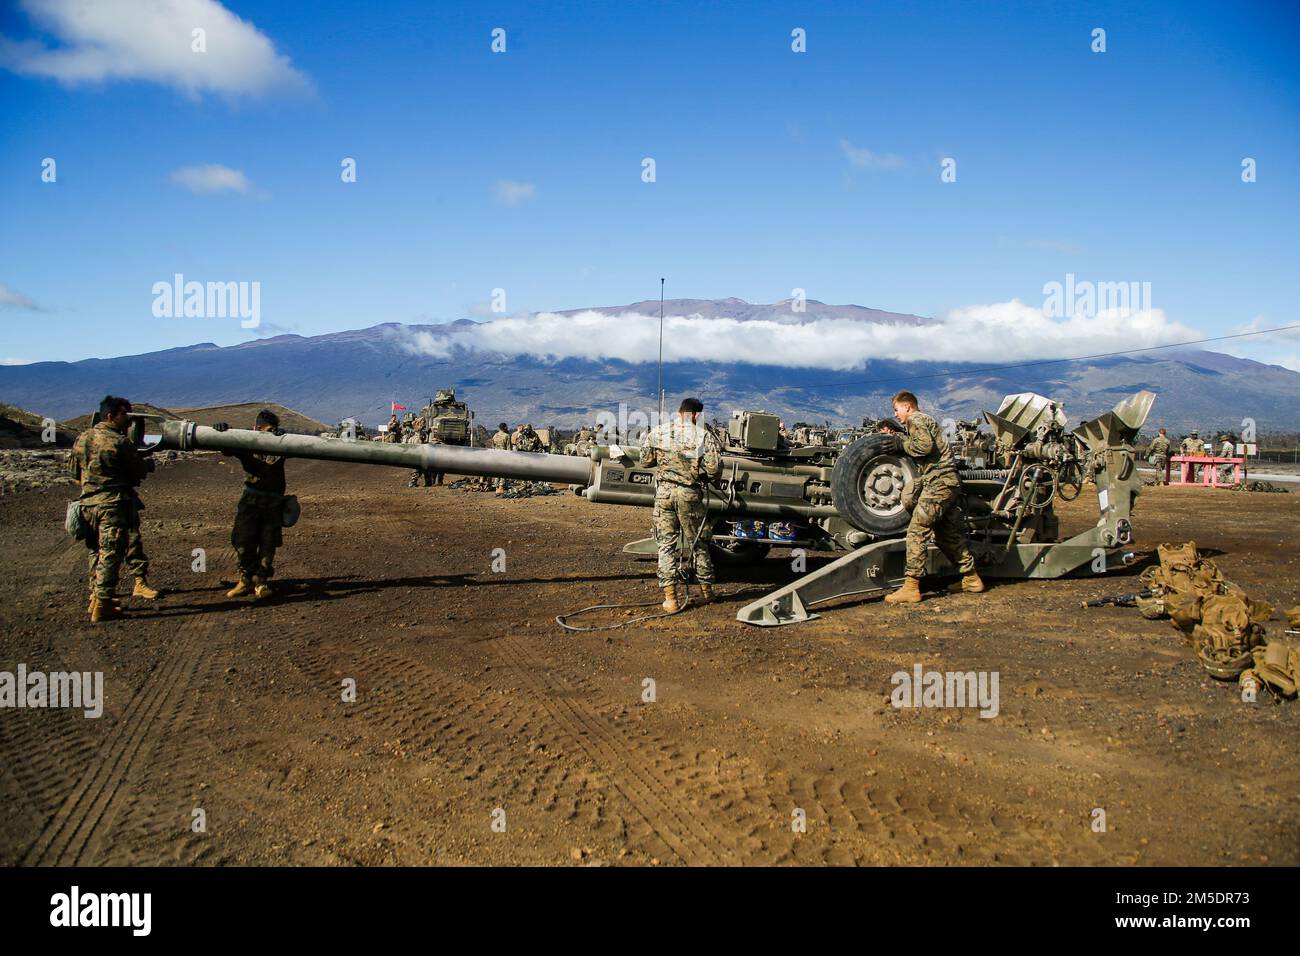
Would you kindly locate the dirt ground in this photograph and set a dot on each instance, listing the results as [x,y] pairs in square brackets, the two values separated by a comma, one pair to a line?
[473,707]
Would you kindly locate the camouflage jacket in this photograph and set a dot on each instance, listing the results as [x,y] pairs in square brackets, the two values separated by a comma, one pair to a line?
[528,443]
[924,441]
[262,472]
[501,440]
[1193,446]
[107,465]
[1159,448]
[685,454]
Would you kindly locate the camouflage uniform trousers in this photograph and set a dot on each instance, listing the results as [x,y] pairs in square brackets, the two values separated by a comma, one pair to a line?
[257,532]
[680,511]
[938,514]
[420,473]
[137,562]
[1158,462]
[108,536]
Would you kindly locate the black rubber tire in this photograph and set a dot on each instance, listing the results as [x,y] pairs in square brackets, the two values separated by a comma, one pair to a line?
[736,552]
[852,466]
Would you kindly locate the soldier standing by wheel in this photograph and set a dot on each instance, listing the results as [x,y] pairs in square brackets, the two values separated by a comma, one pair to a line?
[686,456]
[937,512]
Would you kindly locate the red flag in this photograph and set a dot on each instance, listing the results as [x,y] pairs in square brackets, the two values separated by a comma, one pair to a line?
[398,408]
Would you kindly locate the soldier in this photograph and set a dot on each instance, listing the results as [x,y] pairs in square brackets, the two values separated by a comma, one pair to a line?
[1226,450]
[260,514]
[109,467]
[422,436]
[685,455]
[1194,447]
[528,440]
[501,442]
[1158,454]
[937,496]
[394,429]
[517,437]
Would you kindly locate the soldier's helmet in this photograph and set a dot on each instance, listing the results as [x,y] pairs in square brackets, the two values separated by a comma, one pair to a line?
[1194,434]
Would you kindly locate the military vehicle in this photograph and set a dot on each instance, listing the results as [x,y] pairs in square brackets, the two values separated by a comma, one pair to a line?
[846,500]
[450,422]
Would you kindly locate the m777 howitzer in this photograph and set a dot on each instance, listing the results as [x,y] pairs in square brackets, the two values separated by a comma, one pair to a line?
[847,500]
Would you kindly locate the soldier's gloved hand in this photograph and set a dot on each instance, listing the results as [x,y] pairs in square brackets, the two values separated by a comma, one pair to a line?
[219,426]
[277,432]
[892,444]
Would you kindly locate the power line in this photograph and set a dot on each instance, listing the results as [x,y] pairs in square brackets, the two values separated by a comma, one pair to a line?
[1077,358]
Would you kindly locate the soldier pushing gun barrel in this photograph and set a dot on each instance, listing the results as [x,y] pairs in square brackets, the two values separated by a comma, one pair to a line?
[260,514]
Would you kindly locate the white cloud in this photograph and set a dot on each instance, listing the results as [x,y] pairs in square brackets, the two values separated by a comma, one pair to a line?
[16,361]
[510,193]
[864,158]
[16,299]
[211,179]
[990,334]
[152,40]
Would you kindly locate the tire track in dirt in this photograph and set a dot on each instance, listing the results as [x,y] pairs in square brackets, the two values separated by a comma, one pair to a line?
[80,826]
[505,746]
[693,838]
[46,751]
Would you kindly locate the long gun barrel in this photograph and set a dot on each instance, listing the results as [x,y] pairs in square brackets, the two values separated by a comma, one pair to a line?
[457,459]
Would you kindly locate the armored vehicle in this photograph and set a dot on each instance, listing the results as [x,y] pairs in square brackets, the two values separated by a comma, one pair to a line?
[450,422]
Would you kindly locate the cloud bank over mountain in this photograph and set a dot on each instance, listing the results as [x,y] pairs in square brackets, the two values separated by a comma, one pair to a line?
[1000,332]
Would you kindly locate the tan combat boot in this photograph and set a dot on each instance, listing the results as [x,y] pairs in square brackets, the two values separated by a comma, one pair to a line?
[261,589]
[670,599]
[706,594]
[90,607]
[142,590]
[909,593]
[105,611]
[240,589]
[972,583]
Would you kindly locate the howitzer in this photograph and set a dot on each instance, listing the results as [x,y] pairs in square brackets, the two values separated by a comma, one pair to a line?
[819,498]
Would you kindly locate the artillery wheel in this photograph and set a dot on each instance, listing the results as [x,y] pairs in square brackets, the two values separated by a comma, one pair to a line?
[736,552]
[867,486]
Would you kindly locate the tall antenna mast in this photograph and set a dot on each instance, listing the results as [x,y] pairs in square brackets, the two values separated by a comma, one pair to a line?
[661,349]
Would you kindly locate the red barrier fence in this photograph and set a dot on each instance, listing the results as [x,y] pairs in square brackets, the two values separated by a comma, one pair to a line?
[1208,466]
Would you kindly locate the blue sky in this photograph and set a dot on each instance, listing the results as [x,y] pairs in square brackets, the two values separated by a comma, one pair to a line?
[775,170]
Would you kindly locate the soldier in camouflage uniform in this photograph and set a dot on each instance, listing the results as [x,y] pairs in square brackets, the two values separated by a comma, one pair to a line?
[1193,446]
[501,442]
[527,440]
[1226,450]
[259,517]
[423,436]
[1158,454]
[109,467]
[686,456]
[937,494]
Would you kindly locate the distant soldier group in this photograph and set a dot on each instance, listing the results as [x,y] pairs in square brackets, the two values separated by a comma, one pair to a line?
[1193,446]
